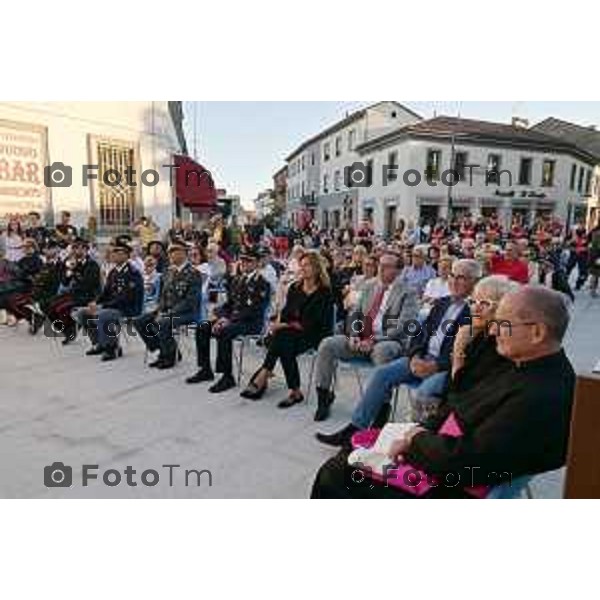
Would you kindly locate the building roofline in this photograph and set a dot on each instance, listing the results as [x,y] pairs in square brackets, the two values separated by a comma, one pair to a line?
[351,118]
[537,141]
[574,129]
[280,171]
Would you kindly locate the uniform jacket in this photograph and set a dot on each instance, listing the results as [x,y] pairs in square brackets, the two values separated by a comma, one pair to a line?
[247,298]
[82,280]
[123,291]
[181,291]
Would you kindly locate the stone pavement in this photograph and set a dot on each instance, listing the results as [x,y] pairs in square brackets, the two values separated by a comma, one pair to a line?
[58,405]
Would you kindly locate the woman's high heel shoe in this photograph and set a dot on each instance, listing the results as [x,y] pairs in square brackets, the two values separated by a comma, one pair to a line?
[252,391]
[290,401]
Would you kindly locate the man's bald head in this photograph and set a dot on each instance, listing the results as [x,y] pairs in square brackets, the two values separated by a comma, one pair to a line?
[531,323]
[543,305]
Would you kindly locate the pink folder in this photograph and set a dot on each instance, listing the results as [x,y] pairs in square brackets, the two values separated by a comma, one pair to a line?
[407,478]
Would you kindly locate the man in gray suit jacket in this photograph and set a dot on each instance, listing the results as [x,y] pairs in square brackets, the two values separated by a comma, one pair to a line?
[374,331]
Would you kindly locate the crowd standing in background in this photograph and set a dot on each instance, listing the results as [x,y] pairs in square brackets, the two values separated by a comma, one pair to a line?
[342,295]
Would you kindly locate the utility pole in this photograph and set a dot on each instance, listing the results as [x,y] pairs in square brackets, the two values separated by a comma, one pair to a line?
[452,165]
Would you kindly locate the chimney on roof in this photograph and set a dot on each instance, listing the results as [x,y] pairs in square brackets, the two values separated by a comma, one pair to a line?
[520,123]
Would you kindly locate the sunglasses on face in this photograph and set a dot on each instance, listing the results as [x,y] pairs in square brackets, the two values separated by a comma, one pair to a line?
[458,277]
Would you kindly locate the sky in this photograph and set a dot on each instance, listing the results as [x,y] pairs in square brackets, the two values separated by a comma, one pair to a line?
[244,143]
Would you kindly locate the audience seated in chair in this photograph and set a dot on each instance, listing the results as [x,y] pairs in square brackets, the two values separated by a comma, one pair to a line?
[306,319]
[178,307]
[511,395]
[122,296]
[242,314]
[375,331]
[80,285]
[427,363]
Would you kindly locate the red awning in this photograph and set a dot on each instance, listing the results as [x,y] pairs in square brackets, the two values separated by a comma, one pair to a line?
[194,185]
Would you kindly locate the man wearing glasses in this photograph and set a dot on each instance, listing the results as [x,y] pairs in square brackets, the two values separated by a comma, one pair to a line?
[428,361]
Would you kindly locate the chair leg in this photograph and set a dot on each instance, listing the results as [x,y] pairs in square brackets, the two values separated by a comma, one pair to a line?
[395,398]
[359,382]
[241,361]
[310,378]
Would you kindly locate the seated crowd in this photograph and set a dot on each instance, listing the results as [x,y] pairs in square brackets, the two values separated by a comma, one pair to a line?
[452,315]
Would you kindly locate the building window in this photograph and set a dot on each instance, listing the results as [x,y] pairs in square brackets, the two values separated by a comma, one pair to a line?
[303,163]
[580,183]
[325,219]
[588,182]
[493,169]
[326,151]
[434,159]
[525,171]
[460,163]
[336,181]
[392,170]
[573,177]
[351,139]
[394,114]
[116,203]
[303,189]
[338,146]
[312,159]
[325,184]
[336,219]
[548,173]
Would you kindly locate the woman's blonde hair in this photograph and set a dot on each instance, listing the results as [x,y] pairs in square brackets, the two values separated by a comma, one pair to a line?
[319,266]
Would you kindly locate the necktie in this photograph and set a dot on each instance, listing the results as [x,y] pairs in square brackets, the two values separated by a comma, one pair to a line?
[373,312]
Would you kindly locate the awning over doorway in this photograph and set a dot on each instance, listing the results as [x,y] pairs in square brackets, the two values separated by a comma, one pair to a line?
[194,186]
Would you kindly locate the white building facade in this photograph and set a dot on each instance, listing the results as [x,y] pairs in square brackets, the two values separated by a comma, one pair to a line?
[111,135]
[316,170]
[503,169]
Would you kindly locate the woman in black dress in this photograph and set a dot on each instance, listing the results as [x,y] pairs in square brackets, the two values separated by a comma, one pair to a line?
[306,319]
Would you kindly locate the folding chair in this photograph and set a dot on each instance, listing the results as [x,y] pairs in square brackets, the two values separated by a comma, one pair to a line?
[311,354]
[356,365]
[253,337]
[410,396]
[176,333]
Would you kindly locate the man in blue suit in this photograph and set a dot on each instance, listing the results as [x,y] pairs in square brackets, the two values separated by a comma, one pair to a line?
[427,364]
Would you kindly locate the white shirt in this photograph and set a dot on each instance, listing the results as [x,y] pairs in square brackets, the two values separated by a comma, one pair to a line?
[436,288]
[269,273]
[437,339]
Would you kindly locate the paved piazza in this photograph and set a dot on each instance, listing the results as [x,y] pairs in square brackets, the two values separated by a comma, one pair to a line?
[58,405]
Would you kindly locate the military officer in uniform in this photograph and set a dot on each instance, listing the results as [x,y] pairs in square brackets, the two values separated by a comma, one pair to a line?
[79,285]
[179,305]
[242,314]
[121,297]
